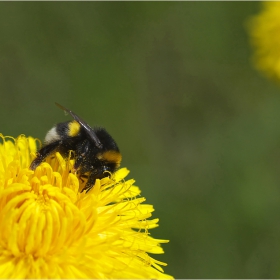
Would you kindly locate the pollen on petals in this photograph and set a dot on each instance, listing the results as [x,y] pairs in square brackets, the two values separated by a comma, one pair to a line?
[49,229]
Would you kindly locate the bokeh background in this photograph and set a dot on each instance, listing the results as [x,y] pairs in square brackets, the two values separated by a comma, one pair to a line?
[198,127]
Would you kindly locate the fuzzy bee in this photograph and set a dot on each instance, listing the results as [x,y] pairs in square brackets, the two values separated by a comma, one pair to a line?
[96,154]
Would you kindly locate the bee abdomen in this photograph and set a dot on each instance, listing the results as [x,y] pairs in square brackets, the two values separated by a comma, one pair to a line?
[62,131]
[52,136]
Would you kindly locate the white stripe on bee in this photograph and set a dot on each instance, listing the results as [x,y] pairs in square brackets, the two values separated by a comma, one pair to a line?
[52,136]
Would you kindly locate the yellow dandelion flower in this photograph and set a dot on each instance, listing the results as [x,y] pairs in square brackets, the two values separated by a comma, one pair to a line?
[264,30]
[48,229]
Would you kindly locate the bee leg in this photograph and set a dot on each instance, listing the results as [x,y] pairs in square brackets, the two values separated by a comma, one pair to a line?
[43,153]
[81,152]
[90,183]
[97,174]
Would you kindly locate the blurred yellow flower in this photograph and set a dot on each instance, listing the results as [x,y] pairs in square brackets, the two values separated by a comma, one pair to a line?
[264,30]
[48,229]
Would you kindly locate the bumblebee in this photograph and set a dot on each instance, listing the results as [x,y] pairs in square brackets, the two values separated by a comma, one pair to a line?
[95,152]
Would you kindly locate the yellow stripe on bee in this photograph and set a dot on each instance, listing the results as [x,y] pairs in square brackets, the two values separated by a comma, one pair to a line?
[111,156]
[74,128]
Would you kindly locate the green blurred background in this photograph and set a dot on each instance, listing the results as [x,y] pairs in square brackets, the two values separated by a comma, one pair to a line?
[198,127]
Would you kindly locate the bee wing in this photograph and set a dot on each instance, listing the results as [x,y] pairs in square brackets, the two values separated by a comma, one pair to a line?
[88,129]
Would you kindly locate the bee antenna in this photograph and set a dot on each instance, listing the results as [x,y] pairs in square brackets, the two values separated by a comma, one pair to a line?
[91,133]
[62,108]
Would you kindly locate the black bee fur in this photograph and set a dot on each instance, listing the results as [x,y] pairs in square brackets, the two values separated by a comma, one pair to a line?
[96,154]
